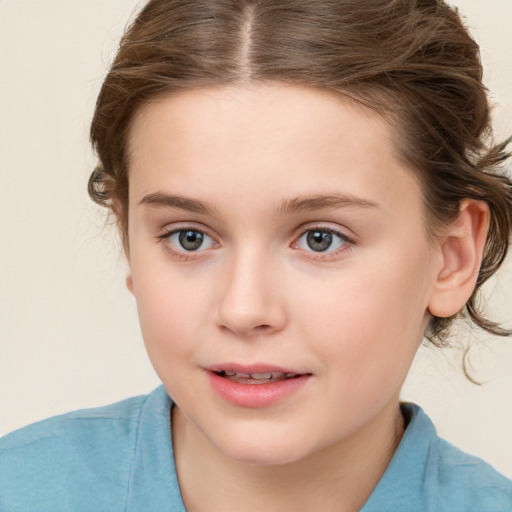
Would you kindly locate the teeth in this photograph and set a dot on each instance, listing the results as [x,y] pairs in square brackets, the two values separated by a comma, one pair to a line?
[272,376]
[258,376]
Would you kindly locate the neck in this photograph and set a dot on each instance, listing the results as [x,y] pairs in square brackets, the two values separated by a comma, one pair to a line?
[339,478]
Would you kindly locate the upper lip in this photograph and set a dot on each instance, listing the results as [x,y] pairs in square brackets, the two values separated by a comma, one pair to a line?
[251,368]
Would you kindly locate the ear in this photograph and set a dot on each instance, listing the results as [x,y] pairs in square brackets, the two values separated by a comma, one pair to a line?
[120,213]
[461,251]
[129,281]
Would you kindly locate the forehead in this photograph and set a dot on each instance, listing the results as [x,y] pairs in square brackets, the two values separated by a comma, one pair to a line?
[268,139]
[277,114]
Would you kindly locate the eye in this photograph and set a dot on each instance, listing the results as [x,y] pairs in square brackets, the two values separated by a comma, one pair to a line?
[189,240]
[321,240]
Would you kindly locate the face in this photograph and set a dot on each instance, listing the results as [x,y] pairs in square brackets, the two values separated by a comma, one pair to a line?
[280,263]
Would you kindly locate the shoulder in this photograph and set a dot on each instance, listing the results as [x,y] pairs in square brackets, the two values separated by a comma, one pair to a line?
[470,482]
[457,480]
[428,474]
[74,424]
[79,454]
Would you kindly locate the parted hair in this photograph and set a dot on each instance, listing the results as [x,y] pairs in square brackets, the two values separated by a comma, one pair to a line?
[412,61]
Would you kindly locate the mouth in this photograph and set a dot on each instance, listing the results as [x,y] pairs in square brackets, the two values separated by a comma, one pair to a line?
[256,385]
[256,378]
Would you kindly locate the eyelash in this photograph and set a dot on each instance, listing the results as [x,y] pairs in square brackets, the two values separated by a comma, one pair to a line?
[184,255]
[347,243]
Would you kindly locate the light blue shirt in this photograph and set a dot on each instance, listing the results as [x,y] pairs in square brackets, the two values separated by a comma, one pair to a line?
[120,458]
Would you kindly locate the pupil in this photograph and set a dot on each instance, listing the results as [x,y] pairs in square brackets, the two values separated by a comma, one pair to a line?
[319,241]
[191,240]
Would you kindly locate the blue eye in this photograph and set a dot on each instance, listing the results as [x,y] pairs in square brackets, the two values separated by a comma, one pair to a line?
[190,240]
[321,240]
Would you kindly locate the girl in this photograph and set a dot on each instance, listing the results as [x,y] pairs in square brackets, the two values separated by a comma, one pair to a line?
[304,190]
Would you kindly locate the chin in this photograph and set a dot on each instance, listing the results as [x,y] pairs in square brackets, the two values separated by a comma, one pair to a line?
[263,451]
[262,458]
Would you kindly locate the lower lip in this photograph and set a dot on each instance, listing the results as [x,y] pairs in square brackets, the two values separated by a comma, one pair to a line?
[255,395]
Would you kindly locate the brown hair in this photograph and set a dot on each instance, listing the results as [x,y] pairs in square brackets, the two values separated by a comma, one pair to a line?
[413,61]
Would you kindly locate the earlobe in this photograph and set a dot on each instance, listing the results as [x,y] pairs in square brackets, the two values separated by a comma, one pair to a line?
[129,282]
[461,256]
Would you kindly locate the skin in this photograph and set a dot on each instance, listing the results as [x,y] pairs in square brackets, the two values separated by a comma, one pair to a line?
[350,317]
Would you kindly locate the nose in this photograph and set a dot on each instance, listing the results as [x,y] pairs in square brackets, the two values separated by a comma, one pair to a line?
[250,300]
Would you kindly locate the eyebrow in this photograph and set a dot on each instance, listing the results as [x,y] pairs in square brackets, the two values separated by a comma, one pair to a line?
[295,205]
[319,202]
[161,199]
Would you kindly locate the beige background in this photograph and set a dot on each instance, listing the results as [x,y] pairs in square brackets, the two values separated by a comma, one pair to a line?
[69,336]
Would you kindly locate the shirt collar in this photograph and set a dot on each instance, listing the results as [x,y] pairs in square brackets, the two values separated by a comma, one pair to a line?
[402,487]
[153,483]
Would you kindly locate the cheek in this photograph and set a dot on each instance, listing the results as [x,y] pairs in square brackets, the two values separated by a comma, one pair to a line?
[170,311]
[370,318]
